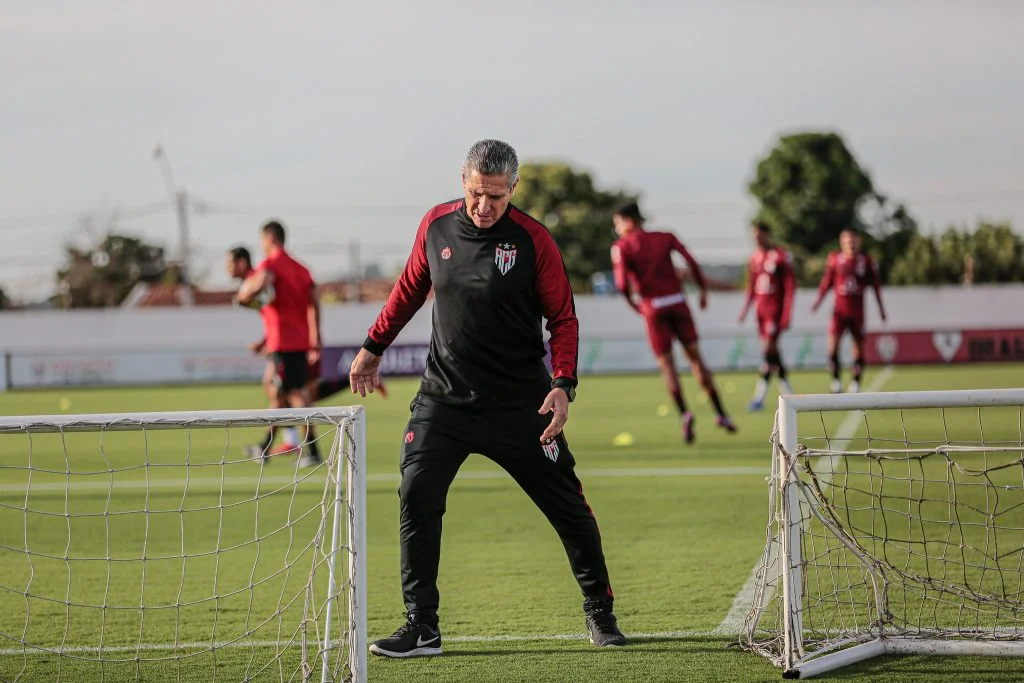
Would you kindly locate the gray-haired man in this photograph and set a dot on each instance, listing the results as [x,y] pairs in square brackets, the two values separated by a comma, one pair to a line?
[496,272]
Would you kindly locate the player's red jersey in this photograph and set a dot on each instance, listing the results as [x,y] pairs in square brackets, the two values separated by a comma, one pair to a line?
[286,318]
[643,261]
[771,284]
[850,277]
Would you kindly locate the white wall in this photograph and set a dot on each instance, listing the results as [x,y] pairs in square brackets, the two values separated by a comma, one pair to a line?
[912,308]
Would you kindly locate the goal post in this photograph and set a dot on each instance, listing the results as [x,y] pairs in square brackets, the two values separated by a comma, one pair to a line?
[134,542]
[896,526]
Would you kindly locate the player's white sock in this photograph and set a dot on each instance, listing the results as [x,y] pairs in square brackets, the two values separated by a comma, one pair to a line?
[291,436]
[785,387]
[760,390]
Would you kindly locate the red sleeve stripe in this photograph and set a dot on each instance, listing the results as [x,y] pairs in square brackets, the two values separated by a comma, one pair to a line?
[412,287]
[555,293]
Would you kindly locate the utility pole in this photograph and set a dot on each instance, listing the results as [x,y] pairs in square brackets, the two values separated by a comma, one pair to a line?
[179,200]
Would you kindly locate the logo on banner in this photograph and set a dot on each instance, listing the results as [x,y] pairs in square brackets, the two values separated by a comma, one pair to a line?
[947,344]
[505,257]
[551,450]
[887,345]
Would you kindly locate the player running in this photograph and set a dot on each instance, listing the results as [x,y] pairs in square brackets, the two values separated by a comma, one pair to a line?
[291,322]
[239,267]
[850,272]
[771,283]
[643,265]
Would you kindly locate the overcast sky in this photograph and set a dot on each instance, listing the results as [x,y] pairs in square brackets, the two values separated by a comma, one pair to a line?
[349,119]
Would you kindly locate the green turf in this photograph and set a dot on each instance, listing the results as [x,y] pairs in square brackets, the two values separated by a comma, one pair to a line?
[679,547]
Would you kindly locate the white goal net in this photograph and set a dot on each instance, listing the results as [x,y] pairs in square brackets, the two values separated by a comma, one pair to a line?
[896,527]
[151,547]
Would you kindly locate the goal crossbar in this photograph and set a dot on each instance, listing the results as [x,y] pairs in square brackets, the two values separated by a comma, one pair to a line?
[892,400]
[828,584]
[49,424]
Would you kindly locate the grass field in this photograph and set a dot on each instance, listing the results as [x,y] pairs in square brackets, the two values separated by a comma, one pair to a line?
[683,528]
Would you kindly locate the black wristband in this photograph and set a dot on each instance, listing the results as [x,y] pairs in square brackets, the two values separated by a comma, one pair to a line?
[374,347]
[563,383]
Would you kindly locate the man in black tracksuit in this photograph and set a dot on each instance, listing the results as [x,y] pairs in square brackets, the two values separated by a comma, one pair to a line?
[495,272]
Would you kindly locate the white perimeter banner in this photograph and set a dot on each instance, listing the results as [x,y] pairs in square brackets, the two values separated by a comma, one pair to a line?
[142,367]
[740,352]
[597,357]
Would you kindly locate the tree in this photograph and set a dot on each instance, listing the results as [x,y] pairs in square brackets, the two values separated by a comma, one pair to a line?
[578,214]
[921,263]
[996,253]
[889,230]
[809,188]
[103,275]
[991,253]
[5,301]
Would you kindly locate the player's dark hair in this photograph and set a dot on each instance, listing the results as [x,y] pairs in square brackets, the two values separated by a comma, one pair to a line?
[852,230]
[631,211]
[241,253]
[275,230]
[761,227]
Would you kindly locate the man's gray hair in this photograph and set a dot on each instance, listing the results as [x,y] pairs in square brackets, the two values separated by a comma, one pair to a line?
[493,157]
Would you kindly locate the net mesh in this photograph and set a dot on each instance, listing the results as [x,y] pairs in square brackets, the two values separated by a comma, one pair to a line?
[911,524]
[132,552]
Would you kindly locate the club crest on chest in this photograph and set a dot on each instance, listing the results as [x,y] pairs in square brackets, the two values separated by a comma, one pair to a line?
[505,257]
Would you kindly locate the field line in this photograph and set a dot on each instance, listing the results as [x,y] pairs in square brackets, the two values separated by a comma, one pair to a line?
[200,647]
[102,483]
[744,600]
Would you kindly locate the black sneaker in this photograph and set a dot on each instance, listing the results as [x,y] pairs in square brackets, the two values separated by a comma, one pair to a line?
[603,629]
[411,640]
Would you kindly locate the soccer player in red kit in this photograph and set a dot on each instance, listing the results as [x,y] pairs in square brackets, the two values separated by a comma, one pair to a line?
[643,265]
[291,322]
[850,272]
[771,283]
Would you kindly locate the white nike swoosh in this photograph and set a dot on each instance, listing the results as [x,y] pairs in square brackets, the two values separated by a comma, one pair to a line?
[420,642]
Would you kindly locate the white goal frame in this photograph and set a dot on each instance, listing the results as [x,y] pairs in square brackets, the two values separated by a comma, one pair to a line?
[348,526]
[797,662]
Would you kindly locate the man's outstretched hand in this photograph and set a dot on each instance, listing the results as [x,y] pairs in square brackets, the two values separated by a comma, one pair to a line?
[364,375]
[557,403]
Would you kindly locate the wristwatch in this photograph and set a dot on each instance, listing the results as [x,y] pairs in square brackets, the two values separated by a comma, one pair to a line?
[566,385]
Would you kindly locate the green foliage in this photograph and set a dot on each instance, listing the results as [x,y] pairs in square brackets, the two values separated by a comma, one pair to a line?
[809,188]
[578,214]
[991,253]
[103,275]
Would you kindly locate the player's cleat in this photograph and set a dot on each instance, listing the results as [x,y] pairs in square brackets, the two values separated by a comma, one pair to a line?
[688,434]
[411,640]
[308,460]
[725,423]
[854,387]
[836,387]
[604,631]
[755,405]
[284,449]
[255,452]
